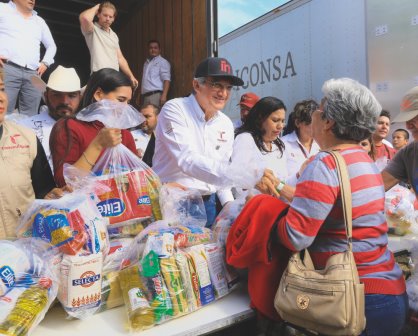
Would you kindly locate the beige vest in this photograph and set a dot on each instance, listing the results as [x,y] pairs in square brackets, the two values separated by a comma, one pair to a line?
[17,152]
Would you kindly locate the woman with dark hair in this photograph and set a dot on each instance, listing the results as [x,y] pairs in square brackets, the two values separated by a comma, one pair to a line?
[258,138]
[298,139]
[81,143]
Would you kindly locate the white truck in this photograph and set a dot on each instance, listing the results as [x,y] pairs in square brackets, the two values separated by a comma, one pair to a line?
[290,51]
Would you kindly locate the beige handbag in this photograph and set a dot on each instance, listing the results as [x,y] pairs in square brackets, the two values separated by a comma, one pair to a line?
[329,301]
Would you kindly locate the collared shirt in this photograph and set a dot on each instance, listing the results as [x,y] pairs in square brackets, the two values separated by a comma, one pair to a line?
[21,38]
[141,139]
[41,124]
[156,71]
[103,46]
[192,151]
[296,153]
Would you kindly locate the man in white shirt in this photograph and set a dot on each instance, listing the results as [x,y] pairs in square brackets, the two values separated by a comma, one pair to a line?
[142,135]
[21,33]
[194,139]
[156,77]
[102,41]
[62,98]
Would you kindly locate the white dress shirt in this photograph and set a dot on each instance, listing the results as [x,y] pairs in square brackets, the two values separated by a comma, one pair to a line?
[41,124]
[141,139]
[21,38]
[296,153]
[244,145]
[192,151]
[156,71]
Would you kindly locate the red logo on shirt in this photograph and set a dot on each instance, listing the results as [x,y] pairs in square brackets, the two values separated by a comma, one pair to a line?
[13,138]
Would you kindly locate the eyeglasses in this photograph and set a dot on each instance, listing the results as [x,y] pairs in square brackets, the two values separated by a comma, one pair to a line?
[219,86]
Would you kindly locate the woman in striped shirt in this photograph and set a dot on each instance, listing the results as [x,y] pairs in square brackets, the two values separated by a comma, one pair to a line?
[347,115]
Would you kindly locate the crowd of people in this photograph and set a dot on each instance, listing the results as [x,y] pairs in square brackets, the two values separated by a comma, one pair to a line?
[191,143]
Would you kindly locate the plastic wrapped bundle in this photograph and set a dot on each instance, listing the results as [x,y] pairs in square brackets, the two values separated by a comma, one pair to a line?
[175,271]
[400,214]
[183,207]
[71,223]
[29,266]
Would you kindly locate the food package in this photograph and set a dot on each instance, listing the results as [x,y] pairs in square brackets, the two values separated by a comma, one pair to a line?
[132,191]
[401,216]
[81,284]
[30,284]
[183,207]
[71,223]
[175,270]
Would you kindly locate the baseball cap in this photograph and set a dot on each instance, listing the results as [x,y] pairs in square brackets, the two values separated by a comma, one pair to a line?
[61,79]
[217,67]
[409,106]
[249,99]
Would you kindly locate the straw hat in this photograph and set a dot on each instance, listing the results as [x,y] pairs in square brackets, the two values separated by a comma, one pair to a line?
[61,79]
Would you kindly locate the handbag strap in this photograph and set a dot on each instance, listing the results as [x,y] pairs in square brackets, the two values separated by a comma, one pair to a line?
[345,189]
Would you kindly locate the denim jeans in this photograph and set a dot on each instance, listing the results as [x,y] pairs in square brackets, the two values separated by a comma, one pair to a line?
[210,207]
[385,314]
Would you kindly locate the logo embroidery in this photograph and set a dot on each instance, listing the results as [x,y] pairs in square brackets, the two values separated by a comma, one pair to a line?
[221,136]
[13,138]
[225,67]
[302,301]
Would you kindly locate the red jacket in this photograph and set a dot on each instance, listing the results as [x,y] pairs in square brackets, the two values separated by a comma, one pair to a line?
[248,246]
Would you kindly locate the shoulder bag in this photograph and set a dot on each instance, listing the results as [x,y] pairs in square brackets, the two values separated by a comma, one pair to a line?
[329,301]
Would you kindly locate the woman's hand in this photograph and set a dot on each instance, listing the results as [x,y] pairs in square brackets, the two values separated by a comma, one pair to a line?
[107,137]
[58,192]
[268,183]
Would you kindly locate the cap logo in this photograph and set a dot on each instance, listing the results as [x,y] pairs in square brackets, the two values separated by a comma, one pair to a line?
[406,104]
[225,67]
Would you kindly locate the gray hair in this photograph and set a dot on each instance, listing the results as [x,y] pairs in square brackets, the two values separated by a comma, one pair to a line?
[352,106]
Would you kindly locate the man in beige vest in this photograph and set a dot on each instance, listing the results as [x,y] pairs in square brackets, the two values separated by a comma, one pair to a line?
[102,41]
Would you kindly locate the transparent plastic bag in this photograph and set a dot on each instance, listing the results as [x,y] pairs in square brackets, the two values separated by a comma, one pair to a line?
[182,206]
[112,114]
[71,223]
[399,210]
[171,270]
[412,282]
[29,284]
[133,188]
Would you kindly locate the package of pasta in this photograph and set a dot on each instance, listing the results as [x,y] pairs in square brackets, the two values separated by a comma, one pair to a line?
[71,223]
[29,284]
[201,265]
[172,278]
[189,235]
[183,207]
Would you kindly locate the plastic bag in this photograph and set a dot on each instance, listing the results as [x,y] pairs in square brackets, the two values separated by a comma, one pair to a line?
[133,188]
[29,284]
[412,282]
[71,223]
[112,114]
[171,271]
[182,206]
[401,216]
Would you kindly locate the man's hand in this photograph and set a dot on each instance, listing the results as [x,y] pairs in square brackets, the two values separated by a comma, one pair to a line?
[42,68]
[163,99]
[134,82]
[2,60]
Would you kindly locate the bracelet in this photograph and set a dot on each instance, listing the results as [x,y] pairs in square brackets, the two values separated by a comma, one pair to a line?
[280,186]
[87,160]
